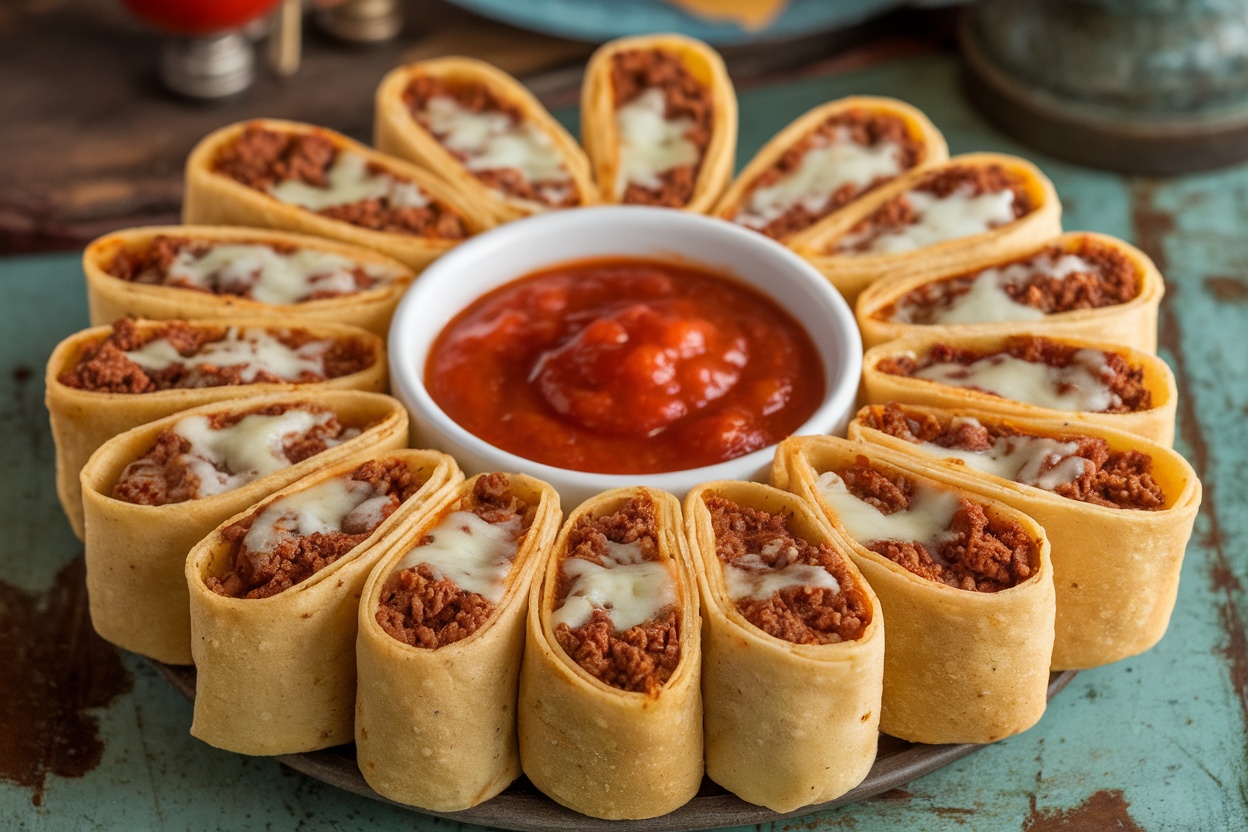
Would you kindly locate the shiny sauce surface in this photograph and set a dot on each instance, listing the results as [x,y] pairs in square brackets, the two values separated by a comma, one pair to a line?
[626,366]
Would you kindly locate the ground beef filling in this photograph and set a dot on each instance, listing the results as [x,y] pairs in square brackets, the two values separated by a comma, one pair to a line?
[164,474]
[642,658]
[801,614]
[105,368]
[978,553]
[479,98]
[967,180]
[149,265]
[1111,280]
[296,558]
[1114,479]
[1124,380]
[863,128]
[261,158]
[419,608]
[634,71]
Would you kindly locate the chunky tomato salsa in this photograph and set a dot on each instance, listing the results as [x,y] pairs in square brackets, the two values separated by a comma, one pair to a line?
[625,366]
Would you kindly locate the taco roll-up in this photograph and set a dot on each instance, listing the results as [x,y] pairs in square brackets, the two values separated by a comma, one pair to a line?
[610,705]
[440,642]
[150,494]
[275,596]
[479,129]
[659,122]
[965,583]
[793,648]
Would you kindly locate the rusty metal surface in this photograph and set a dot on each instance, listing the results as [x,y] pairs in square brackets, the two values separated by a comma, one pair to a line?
[1153,743]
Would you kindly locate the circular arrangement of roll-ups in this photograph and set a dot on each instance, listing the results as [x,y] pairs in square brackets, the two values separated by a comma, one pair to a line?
[1006,504]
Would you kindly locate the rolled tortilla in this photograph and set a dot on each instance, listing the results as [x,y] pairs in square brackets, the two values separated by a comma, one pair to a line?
[1016,381]
[959,665]
[599,749]
[136,553]
[276,674]
[82,420]
[645,150]
[213,198]
[513,135]
[1123,277]
[825,159]
[436,725]
[215,254]
[945,229]
[1115,570]
[787,724]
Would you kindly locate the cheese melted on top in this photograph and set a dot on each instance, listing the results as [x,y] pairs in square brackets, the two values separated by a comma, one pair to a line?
[226,458]
[255,350]
[926,521]
[1039,461]
[474,554]
[631,590]
[987,301]
[1083,385]
[828,166]
[269,276]
[349,181]
[940,219]
[750,576]
[650,144]
[324,508]
[492,141]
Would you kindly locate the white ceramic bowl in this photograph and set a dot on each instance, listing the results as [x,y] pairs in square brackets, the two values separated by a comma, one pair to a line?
[520,248]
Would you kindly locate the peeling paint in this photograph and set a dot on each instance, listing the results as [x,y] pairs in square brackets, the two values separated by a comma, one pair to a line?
[55,669]
[1228,289]
[1102,811]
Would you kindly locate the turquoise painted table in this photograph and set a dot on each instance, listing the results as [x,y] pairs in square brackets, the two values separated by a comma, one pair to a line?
[91,738]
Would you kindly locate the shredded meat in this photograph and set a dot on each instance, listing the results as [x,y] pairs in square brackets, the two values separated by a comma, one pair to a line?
[1125,380]
[966,179]
[296,558]
[261,158]
[1110,281]
[164,474]
[800,614]
[149,265]
[642,658]
[105,368]
[479,98]
[978,553]
[862,127]
[1114,479]
[634,71]
[423,609]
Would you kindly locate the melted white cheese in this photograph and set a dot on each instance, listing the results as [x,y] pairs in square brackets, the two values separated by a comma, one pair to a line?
[324,508]
[253,349]
[1084,385]
[1031,460]
[630,589]
[474,554]
[749,576]
[230,457]
[269,276]
[650,143]
[952,217]
[987,300]
[926,521]
[492,141]
[349,181]
[824,169]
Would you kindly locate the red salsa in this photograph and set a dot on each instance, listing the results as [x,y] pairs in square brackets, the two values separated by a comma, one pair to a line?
[626,366]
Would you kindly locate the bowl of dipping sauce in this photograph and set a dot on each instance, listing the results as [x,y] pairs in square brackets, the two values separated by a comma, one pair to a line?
[615,346]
